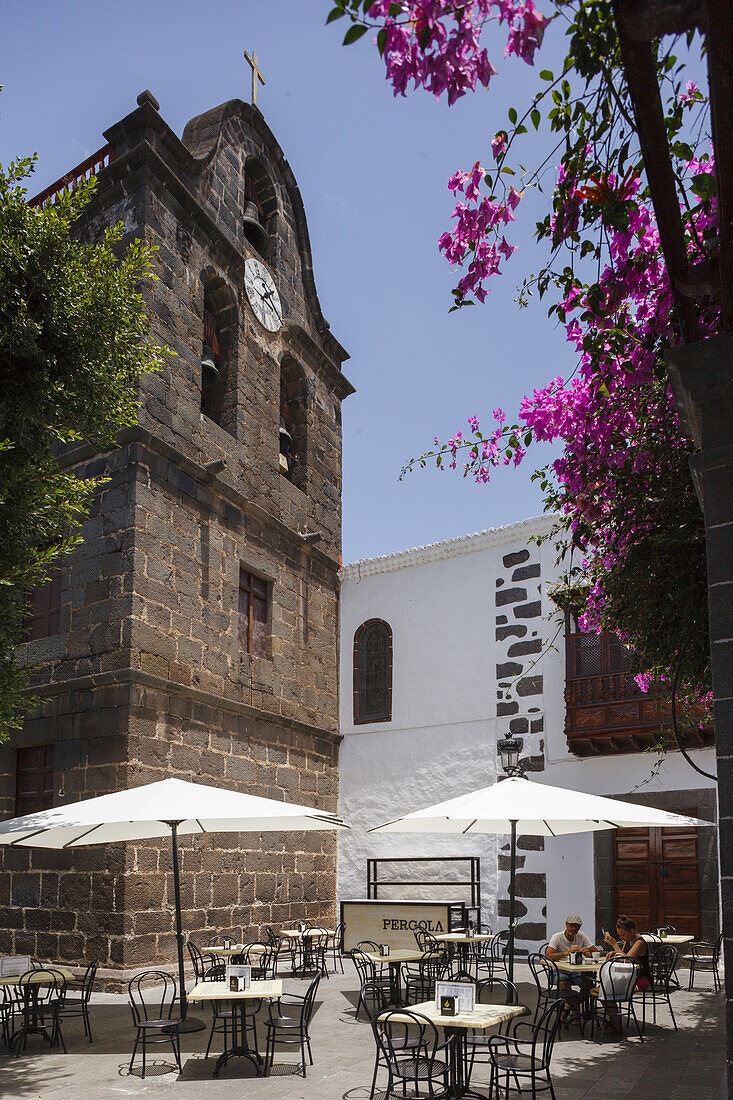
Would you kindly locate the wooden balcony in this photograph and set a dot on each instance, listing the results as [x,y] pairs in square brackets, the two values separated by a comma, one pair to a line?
[606,712]
[84,171]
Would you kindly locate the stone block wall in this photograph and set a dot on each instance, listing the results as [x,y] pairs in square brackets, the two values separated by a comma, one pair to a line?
[519,643]
[146,678]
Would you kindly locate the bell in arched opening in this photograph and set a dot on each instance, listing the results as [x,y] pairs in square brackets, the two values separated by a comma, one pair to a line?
[254,230]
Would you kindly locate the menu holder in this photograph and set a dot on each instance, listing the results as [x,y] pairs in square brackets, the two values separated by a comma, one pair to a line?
[463,993]
[238,978]
[384,949]
[13,965]
[448,1006]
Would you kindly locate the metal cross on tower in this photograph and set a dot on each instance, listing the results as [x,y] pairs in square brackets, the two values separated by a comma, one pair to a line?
[256,75]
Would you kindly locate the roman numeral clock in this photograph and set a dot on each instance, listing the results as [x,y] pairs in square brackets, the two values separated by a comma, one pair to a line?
[262,294]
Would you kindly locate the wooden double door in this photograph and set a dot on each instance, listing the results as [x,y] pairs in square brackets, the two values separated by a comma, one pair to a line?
[656,878]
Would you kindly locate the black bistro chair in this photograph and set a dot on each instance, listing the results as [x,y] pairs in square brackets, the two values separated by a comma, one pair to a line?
[39,994]
[75,1001]
[431,968]
[374,984]
[413,1055]
[490,991]
[662,965]
[288,1022]
[547,979]
[524,1063]
[152,995]
[614,996]
[336,946]
[704,957]
[201,960]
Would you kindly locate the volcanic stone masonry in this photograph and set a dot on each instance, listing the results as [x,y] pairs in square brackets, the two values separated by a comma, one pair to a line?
[519,644]
[147,676]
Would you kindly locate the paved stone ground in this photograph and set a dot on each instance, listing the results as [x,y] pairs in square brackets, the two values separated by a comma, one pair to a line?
[687,1065]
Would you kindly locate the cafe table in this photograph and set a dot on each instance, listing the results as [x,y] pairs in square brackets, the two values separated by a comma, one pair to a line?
[463,941]
[457,1027]
[236,949]
[30,1025]
[588,969]
[270,989]
[301,939]
[397,956]
[672,938]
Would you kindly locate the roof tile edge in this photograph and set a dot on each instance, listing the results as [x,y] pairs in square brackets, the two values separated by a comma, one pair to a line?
[462,544]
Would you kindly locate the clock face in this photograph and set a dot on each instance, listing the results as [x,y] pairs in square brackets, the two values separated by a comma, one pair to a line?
[263,295]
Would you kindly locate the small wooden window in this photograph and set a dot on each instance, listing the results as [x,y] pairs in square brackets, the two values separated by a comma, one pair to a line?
[44,612]
[252,614]
[373,672]
[34,780]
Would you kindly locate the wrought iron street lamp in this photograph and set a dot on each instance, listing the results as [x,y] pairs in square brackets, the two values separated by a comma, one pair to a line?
[509,750]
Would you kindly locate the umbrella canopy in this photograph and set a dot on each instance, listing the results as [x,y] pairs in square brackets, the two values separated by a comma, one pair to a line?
[146,812]
[536,809]
[517,805]
[172,808]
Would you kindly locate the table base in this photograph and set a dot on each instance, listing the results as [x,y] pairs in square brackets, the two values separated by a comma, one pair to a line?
[240,1050]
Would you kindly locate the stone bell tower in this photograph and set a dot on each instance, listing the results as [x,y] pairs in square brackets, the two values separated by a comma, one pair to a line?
[196,627]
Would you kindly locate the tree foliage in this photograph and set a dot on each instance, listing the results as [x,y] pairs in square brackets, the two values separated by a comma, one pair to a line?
[74,342]
[631,524]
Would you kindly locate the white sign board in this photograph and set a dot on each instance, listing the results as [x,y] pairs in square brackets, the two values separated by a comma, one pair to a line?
[11,965]
[464,993]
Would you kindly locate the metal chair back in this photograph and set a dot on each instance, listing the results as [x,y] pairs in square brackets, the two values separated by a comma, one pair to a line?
[42,985]
[545,973]
[544,1034]
[87,984]
[617,980]
[152,996]
[661,967]
[498,948]
[406,1039]
[309,1002]
[487,989]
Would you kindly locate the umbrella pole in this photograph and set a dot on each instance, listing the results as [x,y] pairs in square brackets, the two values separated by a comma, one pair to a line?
[179,928]
[512,891]
[188,1023]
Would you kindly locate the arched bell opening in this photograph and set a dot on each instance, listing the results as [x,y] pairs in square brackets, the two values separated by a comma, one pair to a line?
[218,382]
[293,427]
[259,218]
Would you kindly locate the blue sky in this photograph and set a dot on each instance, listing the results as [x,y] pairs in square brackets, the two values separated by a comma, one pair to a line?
[372,170]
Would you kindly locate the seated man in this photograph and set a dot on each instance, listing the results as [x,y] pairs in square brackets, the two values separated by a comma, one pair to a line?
[562,946]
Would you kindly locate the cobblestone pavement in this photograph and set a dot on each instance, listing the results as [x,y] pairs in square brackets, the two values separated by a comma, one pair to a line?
[683,1065]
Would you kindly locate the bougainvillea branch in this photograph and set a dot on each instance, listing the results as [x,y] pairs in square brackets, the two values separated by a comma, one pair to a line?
[622,483]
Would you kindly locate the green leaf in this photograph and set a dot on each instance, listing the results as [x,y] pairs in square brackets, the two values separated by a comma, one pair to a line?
[704,186]
[512,113]
[335,13]
[353,33]
[545,74]
[382,40]
[536,118]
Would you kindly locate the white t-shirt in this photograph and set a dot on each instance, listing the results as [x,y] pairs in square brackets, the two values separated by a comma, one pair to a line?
[560,942]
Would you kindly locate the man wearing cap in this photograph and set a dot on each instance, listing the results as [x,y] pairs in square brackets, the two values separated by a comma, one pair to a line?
[562,946]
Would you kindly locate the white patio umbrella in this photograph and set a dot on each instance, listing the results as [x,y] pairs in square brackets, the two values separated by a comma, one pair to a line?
[172,808]
[519,805]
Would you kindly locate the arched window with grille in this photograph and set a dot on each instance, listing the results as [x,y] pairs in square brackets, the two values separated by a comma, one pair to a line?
[373,672]
[218,358]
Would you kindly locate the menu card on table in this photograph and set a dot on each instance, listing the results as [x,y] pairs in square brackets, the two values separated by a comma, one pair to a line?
[464,993]
[238,978]
[11,965]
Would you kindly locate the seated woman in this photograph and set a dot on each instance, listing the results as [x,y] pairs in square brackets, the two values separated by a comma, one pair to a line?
[631,944]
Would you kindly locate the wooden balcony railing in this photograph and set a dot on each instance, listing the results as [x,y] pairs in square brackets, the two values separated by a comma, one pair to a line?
[84,171]
[606,712]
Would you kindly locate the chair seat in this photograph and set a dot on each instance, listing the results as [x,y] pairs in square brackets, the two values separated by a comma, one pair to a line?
[412,1068]
[517,1063]
[168,1026]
